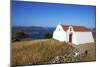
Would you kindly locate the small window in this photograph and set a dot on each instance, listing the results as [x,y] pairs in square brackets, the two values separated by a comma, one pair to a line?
[59,29]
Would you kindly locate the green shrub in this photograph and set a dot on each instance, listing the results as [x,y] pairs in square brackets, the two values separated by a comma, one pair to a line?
[20,33]
[48,35]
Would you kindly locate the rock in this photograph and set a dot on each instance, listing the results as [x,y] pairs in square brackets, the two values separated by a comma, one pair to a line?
[74,56]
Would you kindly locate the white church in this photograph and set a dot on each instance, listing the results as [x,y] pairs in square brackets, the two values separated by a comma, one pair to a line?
[73,34]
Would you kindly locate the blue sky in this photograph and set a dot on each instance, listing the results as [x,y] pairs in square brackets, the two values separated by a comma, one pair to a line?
[50,15]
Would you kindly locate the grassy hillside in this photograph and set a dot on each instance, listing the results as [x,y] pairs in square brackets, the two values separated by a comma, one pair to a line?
[44,50]
[38,51]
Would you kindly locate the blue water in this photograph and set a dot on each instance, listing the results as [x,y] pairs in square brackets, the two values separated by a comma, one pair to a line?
[34,32]
[36,36]
[40,35]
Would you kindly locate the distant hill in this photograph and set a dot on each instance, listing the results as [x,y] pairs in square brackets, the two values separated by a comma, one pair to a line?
[31,28]
[33,32]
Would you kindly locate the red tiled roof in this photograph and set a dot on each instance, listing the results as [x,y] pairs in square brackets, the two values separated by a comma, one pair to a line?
[80,28]
[76,28]
[65,27]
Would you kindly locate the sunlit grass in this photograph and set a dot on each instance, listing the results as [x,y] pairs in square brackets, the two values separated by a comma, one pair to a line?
[38,51]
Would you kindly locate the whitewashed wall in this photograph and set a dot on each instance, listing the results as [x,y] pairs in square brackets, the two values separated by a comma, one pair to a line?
[73,36]
[77,37]
[59,34]
[83,37]
[74,41]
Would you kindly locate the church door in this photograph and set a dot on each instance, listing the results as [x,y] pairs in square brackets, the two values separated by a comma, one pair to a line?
[70,38]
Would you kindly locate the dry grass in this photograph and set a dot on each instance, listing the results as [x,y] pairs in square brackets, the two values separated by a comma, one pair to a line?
[38,51]
[43,50]
[91,48]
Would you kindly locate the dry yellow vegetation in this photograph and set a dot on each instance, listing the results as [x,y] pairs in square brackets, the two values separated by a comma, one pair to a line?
[38,51]
[43,50]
